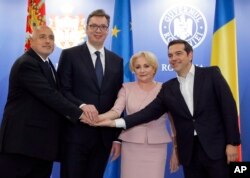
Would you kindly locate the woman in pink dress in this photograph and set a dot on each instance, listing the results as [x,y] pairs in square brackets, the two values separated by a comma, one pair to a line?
[144,147]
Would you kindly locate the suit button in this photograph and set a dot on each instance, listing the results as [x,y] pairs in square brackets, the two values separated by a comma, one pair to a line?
[193,120]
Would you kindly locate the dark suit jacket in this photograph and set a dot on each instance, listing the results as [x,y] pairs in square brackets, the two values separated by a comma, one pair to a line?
[34,110]
[79,84]
[214,117]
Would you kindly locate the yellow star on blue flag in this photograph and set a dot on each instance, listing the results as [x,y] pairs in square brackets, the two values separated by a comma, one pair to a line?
[115,31]
[122,43]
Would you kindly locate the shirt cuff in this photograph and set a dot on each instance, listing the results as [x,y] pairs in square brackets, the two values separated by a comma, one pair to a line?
[120,123]
[82,105]
[117,142]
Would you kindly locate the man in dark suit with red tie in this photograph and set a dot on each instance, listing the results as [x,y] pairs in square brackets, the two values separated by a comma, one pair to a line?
[91,77]
[30,132]
[204,114]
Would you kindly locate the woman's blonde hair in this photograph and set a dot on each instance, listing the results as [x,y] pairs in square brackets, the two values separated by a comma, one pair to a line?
[150,58]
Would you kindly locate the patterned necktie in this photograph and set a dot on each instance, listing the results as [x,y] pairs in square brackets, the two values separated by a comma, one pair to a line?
[98,68]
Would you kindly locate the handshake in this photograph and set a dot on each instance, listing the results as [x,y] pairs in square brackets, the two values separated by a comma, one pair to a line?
[91,117]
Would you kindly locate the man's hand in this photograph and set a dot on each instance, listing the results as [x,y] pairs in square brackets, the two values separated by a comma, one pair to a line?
[84,119]
[174,161]
[232,153]
[90,113]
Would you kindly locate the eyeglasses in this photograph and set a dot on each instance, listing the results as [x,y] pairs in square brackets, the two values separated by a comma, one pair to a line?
[95,27]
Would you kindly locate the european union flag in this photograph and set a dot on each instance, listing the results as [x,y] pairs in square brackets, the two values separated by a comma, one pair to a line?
[123,46]
[122,43]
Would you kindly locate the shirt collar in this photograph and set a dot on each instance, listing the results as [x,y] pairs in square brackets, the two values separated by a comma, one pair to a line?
[92,49]
[44,60]
[191,72]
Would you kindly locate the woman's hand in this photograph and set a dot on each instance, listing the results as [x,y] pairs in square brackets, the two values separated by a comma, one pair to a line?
[105,123]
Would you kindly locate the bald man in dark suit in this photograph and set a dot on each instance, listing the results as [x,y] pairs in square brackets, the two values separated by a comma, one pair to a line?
[33,116]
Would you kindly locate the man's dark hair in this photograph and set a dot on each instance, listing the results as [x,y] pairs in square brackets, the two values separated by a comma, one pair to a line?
[188,48]
[100,13]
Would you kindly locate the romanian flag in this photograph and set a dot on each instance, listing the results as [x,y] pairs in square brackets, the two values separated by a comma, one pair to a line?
[122,43]
[36,17]
[224,47]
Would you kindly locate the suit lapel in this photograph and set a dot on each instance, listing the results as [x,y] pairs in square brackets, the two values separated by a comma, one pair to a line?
[87,60]
[46,71]
[107,71]
[55,74]
[198,84]
[179,97]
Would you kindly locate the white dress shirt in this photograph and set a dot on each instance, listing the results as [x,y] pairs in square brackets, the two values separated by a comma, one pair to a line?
[187,89]
[92,51]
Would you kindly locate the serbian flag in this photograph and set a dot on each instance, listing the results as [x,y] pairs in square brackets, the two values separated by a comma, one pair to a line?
[36,17]
[224,47]
[122,43]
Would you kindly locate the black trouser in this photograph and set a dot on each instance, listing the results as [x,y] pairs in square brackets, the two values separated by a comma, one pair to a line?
[84,160]
[201,166]
[21,166]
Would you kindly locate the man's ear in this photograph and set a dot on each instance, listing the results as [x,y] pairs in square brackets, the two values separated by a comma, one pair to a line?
[190,55]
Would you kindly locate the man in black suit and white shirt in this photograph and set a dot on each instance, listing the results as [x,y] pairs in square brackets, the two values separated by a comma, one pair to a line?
[91,76]
[204,114]
[34,112]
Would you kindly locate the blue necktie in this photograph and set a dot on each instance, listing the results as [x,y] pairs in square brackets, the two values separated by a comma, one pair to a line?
[98,68]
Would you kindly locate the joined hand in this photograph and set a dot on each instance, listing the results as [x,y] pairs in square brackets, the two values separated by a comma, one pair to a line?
[97,121]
